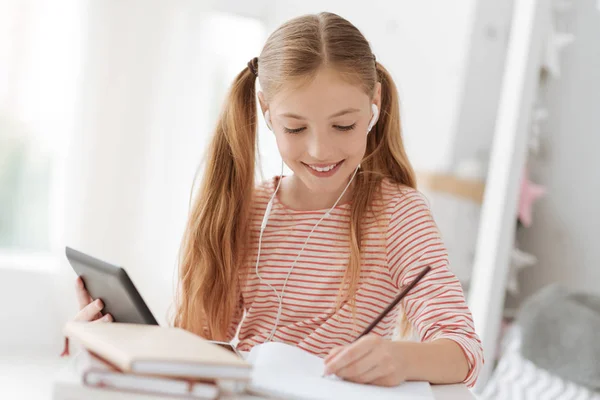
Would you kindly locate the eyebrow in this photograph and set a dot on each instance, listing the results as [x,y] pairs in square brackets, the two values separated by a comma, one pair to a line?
[337,114]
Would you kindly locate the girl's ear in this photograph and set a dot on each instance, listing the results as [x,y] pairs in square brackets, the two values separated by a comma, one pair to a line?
[377,96]
[265,110]
[262,102]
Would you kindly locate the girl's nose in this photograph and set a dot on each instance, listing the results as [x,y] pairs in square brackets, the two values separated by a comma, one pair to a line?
[319,146]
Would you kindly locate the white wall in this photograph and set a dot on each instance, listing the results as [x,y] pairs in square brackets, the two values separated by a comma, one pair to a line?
[136,142]
[484,69]
[28,317]
[566,223]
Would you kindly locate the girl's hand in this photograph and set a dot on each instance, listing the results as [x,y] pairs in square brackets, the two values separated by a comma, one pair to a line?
[371,359]
[89,310]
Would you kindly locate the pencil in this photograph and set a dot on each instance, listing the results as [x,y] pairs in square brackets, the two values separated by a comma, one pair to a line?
[393,303]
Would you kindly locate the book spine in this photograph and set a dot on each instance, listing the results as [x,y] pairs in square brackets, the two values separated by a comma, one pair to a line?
[99,382]
[105,351]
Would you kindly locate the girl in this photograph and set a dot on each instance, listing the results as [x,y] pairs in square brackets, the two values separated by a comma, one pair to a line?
[312,258]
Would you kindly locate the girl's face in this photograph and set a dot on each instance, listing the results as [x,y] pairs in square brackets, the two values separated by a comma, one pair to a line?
[321,129]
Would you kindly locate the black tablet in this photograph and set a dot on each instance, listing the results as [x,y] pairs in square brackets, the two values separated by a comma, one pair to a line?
[112,285]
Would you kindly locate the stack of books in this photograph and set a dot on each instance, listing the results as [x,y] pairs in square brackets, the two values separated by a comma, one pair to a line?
[149,359]
[159,363]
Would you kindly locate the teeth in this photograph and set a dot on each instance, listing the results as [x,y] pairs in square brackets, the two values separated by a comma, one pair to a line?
[324,169]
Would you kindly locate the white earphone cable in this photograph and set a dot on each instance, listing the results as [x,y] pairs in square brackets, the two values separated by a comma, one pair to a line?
[262,228]
[302,250]
[280,296]
[266,218]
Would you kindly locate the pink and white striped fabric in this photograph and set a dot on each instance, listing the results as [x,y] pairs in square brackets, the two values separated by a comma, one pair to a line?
[398,243]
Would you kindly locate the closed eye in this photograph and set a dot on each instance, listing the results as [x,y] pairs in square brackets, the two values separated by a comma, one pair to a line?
[343,128]
[288,130]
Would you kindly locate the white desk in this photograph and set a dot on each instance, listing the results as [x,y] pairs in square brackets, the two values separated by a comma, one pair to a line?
[67,386]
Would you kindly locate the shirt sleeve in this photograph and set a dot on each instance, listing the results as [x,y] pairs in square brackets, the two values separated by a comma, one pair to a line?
[436,306]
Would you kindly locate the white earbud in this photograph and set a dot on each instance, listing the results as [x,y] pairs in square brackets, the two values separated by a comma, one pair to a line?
[374,119]
[268,120]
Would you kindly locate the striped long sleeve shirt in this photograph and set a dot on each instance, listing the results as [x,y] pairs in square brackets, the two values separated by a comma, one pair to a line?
[398,242]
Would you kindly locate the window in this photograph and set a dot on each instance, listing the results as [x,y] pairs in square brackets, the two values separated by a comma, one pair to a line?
[24,186]
[39,60]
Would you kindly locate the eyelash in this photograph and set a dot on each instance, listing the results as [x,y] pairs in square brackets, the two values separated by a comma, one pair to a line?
[339,127]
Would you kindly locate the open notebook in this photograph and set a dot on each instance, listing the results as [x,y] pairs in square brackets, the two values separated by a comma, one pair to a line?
[281,370]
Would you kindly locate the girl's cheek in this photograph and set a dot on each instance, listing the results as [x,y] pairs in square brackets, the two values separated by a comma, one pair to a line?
[354,145]
[289,148]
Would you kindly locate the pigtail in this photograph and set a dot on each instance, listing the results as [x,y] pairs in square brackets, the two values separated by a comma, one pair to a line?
[214,243]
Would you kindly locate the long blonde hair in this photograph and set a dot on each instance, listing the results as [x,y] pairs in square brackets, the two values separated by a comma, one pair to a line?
[217,236]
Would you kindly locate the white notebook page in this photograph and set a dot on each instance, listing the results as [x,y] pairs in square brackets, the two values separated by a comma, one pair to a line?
[285,371]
